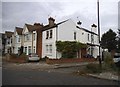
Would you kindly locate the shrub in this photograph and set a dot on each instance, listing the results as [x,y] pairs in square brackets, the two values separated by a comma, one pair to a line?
[13,55]
[108,62]
[93,68]
[69,49]
[23,55]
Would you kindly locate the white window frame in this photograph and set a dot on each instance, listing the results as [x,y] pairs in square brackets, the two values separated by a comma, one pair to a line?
[29,49]
[88,37]
[34,49]
[50,48]
[75,35]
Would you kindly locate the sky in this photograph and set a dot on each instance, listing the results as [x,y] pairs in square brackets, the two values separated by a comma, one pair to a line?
[15,13]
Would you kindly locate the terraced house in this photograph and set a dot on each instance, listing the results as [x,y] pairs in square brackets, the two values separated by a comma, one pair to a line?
[32,38]
[17,39]
[27,37]
[9,41]
[41,39]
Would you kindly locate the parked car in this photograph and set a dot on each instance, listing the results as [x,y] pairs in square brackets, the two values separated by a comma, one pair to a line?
[116,58]
[33,57]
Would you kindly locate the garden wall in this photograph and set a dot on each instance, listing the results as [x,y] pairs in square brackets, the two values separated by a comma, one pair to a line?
[69,60]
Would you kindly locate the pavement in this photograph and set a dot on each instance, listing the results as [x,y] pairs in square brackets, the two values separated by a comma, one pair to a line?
[103,75]
[44,66]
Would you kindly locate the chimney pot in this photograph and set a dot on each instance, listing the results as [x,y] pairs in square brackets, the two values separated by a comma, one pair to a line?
[51,21]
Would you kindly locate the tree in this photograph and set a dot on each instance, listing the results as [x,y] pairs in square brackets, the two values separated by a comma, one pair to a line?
[108,40]
[118,40]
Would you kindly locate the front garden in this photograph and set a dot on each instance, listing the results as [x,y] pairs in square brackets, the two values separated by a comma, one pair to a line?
[15,58]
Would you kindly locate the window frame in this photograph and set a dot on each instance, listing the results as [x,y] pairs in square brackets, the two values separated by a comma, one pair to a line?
[47,34]
[51,33]
[29,49]
[34,36]
[75,35]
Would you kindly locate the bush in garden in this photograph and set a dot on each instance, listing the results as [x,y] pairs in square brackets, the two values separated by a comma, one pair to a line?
[93,68]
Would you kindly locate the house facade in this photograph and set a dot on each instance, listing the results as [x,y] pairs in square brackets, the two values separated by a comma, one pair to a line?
[30,38]
[8,44]
[41,39]
[68,31]
[3,41]
[17,41]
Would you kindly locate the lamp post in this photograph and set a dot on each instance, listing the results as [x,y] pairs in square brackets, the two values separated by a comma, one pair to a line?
[99,31]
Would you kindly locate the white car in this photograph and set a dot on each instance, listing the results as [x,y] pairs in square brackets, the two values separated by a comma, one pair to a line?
[116,58]
[33,57]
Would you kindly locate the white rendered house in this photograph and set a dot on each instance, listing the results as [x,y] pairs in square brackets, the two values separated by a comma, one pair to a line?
[9,41]
[30,38]
[17,39]
[67,31]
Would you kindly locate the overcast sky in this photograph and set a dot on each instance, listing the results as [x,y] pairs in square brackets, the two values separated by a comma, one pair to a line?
[18,12]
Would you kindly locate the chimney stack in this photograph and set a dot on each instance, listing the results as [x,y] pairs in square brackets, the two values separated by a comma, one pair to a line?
[51,21]
[94,28]
[38,24]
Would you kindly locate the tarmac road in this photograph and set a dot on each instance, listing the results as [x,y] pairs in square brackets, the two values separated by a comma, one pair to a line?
[48,77]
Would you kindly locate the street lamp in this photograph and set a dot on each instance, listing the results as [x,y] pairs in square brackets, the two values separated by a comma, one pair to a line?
[99,32]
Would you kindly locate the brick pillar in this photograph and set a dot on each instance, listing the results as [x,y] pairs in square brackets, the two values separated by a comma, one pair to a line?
[39,43]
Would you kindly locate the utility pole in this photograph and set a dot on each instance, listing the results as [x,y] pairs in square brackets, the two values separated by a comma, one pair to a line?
[99,31]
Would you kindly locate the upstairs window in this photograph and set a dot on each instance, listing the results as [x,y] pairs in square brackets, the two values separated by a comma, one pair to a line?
[74,35]
[34,36]
[8,41]
[27,37]
[50,33]
[88,37]
[18,39]
[47,34]
[11,40]
[92,38]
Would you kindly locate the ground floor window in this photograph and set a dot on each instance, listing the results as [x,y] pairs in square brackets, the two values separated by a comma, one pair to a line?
[29,49]
[49,48]
[26,50]
[46,48]
[34,49]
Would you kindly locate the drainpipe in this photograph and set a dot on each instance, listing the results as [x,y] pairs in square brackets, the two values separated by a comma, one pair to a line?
[56,39]
[32,42]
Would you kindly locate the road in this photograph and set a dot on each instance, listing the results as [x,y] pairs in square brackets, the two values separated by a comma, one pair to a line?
[63,76]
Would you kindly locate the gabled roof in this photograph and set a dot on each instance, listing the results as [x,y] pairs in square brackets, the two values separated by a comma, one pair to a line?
[32,27]
[19,30]
[47,27]
[86,30]
[9,33]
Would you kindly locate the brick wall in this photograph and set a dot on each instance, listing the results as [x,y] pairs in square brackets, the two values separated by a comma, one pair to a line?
[39,43]
[68,60]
